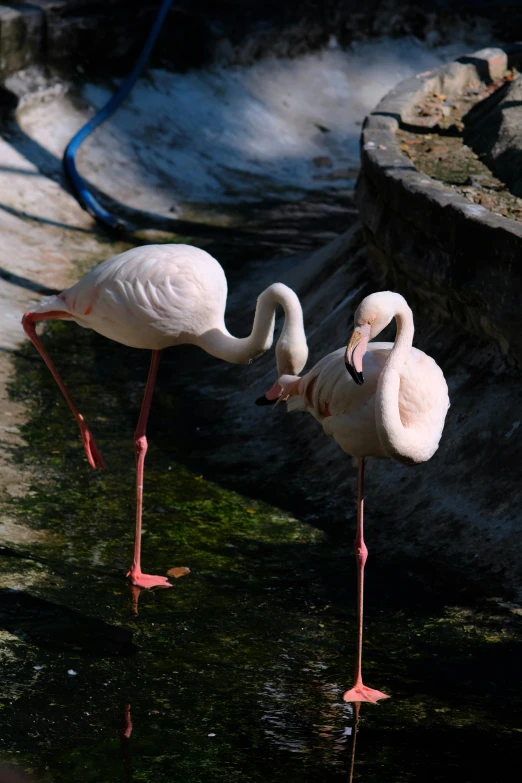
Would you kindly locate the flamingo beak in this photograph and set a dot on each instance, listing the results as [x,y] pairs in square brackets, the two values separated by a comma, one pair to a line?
[271,397]
[355,351]
[265,401]
[280,391]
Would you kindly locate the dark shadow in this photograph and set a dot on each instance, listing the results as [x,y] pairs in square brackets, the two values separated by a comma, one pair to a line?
[482,128]
[514,53]
[15,352]
[24,282]
[391,114]
[55,627]
[452,130]
[508,168]
[45,221]
[483,109]
[442,754]
[480,65]
[8,102]
[15,170]
[414,128]
[11,775]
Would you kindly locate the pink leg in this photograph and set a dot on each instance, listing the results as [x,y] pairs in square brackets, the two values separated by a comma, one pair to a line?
[140,445]
[29,323]
[360,692]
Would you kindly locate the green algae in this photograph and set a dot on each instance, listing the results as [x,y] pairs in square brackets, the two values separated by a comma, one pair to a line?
[237,672]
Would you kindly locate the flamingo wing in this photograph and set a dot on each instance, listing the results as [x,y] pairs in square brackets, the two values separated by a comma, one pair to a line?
[152,296]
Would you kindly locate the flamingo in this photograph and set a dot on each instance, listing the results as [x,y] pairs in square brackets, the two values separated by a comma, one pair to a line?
[396,409]
[154,297]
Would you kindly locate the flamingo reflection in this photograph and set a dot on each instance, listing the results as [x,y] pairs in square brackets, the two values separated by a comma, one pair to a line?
[125,733]
[355,723]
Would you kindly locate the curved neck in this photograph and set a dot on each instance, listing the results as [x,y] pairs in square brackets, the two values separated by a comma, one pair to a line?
[242,350]
[397,440]
[403,339]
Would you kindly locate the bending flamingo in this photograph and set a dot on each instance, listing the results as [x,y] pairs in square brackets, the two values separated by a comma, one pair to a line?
[396,409]
[161,295]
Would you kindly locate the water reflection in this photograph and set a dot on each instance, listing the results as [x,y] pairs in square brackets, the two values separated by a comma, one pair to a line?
[52,626]
[284,731]
[134,591]
[355,723]
[125,733]
[306,716]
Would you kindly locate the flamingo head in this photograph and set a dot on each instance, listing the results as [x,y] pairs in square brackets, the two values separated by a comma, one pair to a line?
[372,316]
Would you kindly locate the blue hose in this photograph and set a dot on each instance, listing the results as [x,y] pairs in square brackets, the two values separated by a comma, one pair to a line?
[82,195]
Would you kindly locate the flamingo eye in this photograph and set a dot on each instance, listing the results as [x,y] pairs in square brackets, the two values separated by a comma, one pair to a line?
[371,321]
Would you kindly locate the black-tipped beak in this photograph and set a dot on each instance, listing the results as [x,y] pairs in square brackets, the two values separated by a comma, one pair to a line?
[263,401]
[357,377]
[355,351]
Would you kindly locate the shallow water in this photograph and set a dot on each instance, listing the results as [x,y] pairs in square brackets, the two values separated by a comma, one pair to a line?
[237,672]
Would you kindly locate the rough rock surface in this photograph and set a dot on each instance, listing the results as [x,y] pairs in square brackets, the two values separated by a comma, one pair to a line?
[461,255]
[494,129]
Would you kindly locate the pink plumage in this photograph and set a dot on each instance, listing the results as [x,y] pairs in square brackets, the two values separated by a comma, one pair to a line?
[392,404]
[348,412]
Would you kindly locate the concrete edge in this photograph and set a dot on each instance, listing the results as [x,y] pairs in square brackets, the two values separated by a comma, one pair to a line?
[380,151]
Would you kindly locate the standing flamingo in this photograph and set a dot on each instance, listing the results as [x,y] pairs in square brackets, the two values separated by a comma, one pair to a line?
[399,412]
[154,297]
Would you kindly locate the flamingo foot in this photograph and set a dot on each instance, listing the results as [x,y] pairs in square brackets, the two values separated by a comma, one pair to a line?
[147,580]
[360,692]
[91,450]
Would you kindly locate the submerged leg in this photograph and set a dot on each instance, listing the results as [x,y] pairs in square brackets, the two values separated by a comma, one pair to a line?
[140,445]
[360,692]
[29,323]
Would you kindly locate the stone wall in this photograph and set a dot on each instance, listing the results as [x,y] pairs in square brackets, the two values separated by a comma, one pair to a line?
[459,259]
[21,36]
